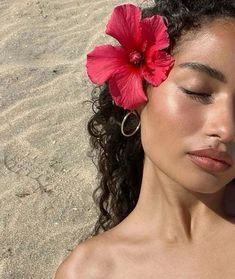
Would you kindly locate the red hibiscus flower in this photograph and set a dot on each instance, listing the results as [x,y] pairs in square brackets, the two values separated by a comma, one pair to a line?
[140,56]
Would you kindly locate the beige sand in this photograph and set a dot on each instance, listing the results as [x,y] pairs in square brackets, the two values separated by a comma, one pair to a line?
[46,177]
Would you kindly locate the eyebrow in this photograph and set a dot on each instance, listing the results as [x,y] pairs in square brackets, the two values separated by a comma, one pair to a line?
[212,72]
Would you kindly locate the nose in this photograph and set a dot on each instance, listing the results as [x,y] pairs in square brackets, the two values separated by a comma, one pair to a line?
[222,122]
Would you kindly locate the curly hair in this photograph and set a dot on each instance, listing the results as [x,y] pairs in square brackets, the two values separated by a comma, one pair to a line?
[120,159]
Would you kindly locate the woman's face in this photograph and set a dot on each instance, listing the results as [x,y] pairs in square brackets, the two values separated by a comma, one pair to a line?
[173,123]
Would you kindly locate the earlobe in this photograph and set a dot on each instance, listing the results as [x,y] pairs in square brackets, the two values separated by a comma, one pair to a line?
[140,108]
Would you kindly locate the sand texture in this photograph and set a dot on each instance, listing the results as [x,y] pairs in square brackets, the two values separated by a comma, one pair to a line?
[46,177]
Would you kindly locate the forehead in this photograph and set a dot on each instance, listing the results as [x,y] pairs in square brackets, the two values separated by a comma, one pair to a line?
[213,44]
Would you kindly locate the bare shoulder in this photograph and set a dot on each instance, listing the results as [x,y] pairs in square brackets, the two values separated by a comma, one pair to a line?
[73,267]
[90,259]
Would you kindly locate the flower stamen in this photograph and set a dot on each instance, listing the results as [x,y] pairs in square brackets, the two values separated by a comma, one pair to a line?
[135,57]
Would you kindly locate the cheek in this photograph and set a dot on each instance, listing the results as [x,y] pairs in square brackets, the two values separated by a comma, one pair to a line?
[178,114]
[168,119]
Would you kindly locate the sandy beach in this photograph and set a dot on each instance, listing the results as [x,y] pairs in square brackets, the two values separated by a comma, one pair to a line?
[46,176]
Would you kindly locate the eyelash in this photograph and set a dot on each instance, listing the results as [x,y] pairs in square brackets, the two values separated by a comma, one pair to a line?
[201,97]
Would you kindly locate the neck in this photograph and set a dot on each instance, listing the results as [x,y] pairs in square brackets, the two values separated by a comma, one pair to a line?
[173,213]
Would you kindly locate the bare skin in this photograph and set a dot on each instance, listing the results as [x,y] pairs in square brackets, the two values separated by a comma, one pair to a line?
[178,228]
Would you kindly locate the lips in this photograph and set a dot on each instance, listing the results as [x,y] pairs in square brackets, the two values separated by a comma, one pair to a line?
[214,154]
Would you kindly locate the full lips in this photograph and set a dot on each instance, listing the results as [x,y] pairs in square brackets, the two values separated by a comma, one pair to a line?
[208,163]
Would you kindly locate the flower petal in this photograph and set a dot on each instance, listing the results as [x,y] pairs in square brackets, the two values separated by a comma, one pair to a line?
[126,88]
[103,61]
[157,65]
[154,31]
[124,25]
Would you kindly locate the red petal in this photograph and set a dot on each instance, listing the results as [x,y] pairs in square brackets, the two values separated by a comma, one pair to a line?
[157,65]
[124,25]
[126,88]
[155,31]
[103,61]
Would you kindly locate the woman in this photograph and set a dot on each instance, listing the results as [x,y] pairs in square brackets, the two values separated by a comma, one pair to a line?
[167,182]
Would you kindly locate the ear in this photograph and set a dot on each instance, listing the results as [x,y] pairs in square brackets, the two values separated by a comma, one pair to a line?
[147,88]
[140,108]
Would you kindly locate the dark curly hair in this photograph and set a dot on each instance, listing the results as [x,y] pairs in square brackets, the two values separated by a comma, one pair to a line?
[120,158]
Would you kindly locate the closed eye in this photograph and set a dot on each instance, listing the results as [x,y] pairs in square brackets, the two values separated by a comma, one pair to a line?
[201,97]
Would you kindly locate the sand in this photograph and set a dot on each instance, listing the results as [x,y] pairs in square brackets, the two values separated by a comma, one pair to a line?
[46,175]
